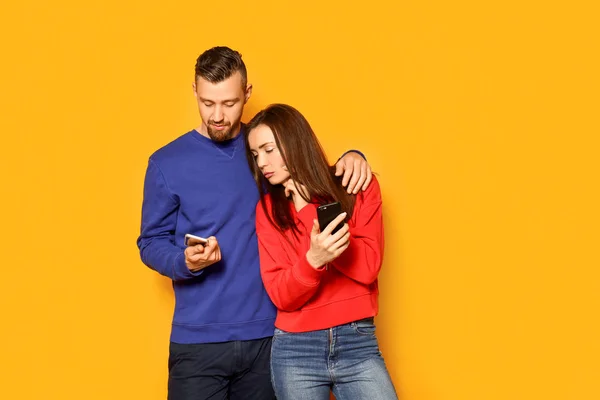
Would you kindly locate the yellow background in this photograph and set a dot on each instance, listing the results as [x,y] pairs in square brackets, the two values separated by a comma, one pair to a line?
[480,118]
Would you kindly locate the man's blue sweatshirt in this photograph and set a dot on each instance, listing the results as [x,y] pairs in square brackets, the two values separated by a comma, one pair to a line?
[194,185]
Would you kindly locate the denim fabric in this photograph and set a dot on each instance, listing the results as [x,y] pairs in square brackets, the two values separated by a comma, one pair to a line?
[345,359]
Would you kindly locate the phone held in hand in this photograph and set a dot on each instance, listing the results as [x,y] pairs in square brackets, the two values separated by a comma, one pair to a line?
[193,240]
[327,213]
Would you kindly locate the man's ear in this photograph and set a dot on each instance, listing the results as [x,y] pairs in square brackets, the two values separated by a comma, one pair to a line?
[248,93]
[194,89]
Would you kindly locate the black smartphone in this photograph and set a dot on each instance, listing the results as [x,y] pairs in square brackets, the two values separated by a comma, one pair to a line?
[327,213]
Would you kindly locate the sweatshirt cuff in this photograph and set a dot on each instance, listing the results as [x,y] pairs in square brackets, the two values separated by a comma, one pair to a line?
[306,274]
[307,215]
[181,271]
[352,151]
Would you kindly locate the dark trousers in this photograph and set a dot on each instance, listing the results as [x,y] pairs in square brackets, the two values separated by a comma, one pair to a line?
[230,370]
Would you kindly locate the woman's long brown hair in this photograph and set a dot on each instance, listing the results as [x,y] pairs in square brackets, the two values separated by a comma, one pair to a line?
[305,160]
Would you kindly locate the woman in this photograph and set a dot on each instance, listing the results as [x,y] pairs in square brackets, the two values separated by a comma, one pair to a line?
[324,285]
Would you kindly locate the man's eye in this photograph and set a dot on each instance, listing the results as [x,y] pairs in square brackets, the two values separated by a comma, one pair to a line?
[208,104]
[229,105]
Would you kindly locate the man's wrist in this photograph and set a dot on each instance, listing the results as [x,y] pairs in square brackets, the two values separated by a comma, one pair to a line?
[353,151]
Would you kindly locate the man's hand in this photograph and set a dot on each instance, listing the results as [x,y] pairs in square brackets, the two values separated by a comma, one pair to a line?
[325,247]
[199,257]
[356,170]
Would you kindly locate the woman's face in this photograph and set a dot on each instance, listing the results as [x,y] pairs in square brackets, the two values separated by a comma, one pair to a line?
[267,156]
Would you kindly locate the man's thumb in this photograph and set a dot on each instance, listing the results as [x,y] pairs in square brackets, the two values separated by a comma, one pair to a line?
[339,168]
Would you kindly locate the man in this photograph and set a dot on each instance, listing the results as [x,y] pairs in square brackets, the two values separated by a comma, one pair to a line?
[201,184]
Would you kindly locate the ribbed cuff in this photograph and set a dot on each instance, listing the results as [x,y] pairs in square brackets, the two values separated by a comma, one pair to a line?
[306,274]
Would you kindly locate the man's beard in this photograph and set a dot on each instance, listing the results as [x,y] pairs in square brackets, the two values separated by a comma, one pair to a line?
[221,135]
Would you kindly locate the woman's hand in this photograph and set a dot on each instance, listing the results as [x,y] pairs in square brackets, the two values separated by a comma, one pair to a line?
[293,188]
[325,247]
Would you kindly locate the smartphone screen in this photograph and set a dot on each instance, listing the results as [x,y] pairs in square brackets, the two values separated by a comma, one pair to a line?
[327,213]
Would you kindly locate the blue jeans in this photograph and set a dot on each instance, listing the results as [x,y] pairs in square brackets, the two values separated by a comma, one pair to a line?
[345,359]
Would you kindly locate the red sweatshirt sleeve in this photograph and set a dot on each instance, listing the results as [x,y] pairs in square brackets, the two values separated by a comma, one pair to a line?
[362,259]
[289,285]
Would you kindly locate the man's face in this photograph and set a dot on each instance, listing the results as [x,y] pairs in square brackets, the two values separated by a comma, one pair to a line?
[221,106]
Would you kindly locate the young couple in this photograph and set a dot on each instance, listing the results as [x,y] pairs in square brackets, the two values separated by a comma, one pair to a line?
[309,329]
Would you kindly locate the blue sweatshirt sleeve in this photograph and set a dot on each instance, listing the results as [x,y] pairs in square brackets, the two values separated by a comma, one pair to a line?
[159,219]
[352,151]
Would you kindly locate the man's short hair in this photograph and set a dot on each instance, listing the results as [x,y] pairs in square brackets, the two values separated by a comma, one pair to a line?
[219,63]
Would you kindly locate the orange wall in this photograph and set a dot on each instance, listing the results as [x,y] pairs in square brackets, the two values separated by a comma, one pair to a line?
[480,119]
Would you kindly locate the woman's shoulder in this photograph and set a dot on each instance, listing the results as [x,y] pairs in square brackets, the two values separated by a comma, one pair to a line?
[263,216]
[373,191]
[267,202]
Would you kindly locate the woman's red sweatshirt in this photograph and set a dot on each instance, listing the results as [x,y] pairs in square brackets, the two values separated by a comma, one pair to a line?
[345,291]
